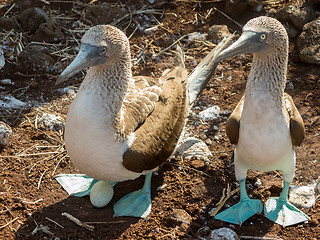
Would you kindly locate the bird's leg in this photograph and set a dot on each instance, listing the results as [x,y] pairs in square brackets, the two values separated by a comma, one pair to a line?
[281,211]
[240,212]
[135,204]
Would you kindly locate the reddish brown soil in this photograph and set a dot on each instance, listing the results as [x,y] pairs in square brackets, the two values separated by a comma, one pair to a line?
[30,197]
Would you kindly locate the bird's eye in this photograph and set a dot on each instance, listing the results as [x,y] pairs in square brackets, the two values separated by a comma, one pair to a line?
[104,50]
[263,36]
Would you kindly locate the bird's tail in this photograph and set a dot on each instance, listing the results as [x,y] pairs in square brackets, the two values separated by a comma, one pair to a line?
[201,75]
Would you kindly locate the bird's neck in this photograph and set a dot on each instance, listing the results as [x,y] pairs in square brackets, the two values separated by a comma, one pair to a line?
[268,76]
[109,84]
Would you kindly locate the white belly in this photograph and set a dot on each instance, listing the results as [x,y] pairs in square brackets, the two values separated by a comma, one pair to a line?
[264,139]
[91,144]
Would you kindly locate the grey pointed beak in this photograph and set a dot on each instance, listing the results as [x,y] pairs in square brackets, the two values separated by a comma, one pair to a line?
[88,56]
[248,42]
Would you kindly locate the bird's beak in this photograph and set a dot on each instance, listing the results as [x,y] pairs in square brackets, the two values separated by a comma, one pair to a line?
[247,43]
[86,57]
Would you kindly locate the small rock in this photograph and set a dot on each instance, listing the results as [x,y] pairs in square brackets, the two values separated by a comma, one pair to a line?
[31,18]
[218,32]
[191,146]
[10,102]
[49,32]
[51,121]
[234,8]
[165,41]
[308,43]
[6,82]
[255,4]
[178,217]
[196,36]
[210,113]
[5,132]
[2,60]
[303,197]
[297,15]
[8,24]
[223,234]
[258,182]
[104,13]
[36,59]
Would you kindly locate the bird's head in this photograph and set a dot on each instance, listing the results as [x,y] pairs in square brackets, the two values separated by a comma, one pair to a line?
[100,45]
[260,36]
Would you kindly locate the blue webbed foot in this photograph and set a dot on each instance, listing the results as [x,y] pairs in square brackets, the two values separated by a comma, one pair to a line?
[283,212]
[240,212]
[135,204]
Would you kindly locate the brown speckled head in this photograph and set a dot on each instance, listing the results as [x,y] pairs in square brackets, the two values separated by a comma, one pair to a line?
[112,38]
[276,34]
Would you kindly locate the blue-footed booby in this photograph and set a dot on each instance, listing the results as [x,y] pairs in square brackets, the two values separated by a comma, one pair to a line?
[119,126]
[265,126]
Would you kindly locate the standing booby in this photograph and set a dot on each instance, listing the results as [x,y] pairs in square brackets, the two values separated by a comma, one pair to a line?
[118,126]
[265,126]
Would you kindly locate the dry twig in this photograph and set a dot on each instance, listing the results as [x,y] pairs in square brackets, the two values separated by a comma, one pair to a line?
[223,199]
[78,222]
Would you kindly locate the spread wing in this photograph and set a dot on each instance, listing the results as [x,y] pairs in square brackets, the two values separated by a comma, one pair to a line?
[157,136]
[233,123]
[296,123]
[137,105]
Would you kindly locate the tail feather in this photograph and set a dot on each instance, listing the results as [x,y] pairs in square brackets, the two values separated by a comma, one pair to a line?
[180,57]
[201,75]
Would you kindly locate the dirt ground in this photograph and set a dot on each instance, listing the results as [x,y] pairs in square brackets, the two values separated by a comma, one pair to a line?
[31,199]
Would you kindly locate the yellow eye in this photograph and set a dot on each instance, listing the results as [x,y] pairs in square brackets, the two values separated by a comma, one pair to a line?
[263,36]
[104,50]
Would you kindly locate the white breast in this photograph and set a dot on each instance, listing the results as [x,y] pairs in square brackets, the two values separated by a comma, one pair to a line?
[90,140]
[264,137]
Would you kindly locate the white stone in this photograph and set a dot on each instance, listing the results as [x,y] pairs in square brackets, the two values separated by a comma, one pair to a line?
[10,102]
[2,60]
[5,132]
[196,36]
[191,146]
[101,194]
[51,121]
[302,196]
[223,234]
[6,82]
[210,113]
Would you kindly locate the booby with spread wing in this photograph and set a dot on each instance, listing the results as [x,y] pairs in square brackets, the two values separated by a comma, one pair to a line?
[265,126]
[119,126]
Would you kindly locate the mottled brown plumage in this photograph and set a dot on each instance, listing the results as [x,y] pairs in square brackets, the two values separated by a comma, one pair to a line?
[119,126]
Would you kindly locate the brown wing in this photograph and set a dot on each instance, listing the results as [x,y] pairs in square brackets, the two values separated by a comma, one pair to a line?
[233,123]
[137,105]
[296,123]
[156,138]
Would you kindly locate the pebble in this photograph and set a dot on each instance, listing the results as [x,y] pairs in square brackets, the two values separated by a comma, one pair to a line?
[5,132]
[196,36]
[51,121]
[223,234]
[210,113]
[218,32]
[10,102]
[308,43]
[178,217]
[192,146]
[2,60]
[6,82]
[302,196]
[258,183]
